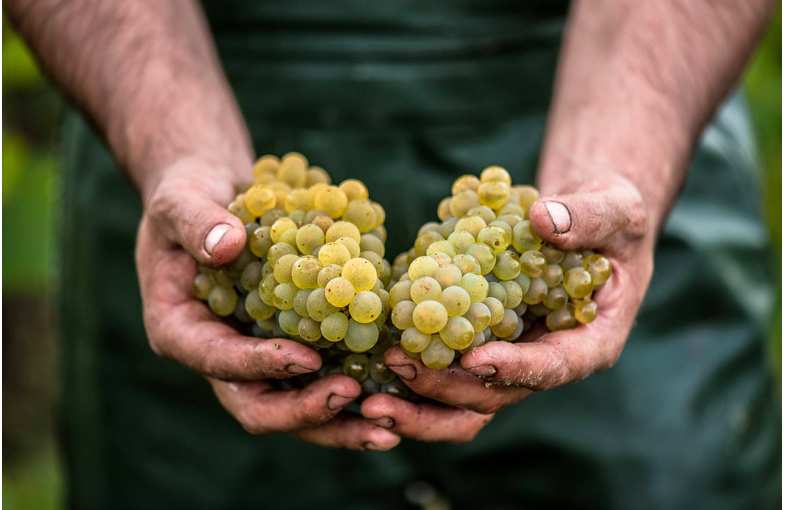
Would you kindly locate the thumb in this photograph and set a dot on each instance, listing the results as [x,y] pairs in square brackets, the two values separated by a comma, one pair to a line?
[588,219]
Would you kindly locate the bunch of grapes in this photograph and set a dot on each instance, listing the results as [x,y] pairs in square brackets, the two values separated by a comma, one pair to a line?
[313,268]
[483,274]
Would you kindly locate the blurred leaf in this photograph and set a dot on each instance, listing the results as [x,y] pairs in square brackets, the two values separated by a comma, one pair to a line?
[35,485]
[14,156]
[19,67]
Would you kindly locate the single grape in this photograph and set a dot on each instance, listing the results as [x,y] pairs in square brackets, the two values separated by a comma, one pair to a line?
[552,255]
[351,245]
[496,308]
[222,300]
[402,314]
[322,221]
[495,173]
[465,182]
[484,212]
[585,310]
[424,241]
[202,285]
[300,304]
[258,200]
[483,255]
[437,355]
[524,238]
[305,272]
[442,246]
[497,290]
[360,273]
[514,294]
[260,241]
[553,275]
[356,366]
[443,211]
[343,229]
[289,322]
[495,237]
[456,300]
[379,371]
[413,340]
[362,214]
[422,266]
[375,260]
[365,307]
[256,308]
[283,296]
[316,175]
[532,263]
[308,238]
[334,327]
[507,266]
[292,169]
[537,291]
[339,291]
[458,333]
[361,337]
[494,194]
[354,189]
[369,242]
[267,164]
[400,292]
[425,288]
[506,327]
[278,250]
[448,275]
[571,259]
[280,227]
[428,316]
[598,267]
[466,263]
[479,315]
[461,203]
[327,273]
[251,275]
[476,286]
[560,319]
[577,282]
[282,270]
[470,224]
[332,200]
[308,329]
[556,298]
[298,200]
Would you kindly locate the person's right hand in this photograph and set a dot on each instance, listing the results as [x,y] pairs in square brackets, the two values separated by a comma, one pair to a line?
[185,219]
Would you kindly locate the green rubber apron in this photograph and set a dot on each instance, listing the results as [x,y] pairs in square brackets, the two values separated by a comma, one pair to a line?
[406,96]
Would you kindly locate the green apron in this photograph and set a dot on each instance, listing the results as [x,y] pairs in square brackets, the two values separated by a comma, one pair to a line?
[406,96]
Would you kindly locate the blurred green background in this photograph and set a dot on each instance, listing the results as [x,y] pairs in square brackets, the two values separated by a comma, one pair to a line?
[32,110]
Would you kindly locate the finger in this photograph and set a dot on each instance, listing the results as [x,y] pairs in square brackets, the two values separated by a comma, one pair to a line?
[350,432]
[561,357]
[185,209]
[181,328]
[452,386]
[262,409]
[424,422]
[589,220]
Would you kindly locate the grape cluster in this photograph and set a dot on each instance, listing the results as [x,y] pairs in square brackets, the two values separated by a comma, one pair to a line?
[313,268]
[483,274]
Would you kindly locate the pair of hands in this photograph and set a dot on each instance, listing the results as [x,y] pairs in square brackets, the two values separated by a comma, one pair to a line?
[185,218]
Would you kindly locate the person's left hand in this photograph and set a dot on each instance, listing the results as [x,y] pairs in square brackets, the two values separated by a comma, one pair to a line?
[610,218]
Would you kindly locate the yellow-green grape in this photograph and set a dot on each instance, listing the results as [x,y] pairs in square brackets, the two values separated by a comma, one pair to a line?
[341,229]
[458,333]
[292,169]
[429,316]
[332,200]
[298,200]
[376,261]
[379,232]
[202,285]
[379,371]
[511,208]
[495,173]
[316,175]
[470,224]
[456,300]
[507,266]
[289,322]
[256,308]
[577,282]
[362,214]
[270,216]
[369,242]
[414,340]
[443,211]
[267,164]
[461,203]
[365,307]
[381,215]
[317,305]
[448,226]
[585,310]
[222,278]
[283,296]
[524,238]
[496,239]
[504,226]
[479,315]
[466,263]
[354,189]
[425,240]
[308,238]
[527,195]
[465,182]
[361,337]
[476,286]
[222,300]
[289,237]
[356,366]
[461,241]
[327,273]
[351,245]
[282,270]
[494,194]
[324,222]
[305,272]
[506,327]
[334,327]
[437,355]
[553,275]
[537,291]
[237,207]
[400,292]
[339,291]
[425,288]
[598,267]
[360,273]
[571,259]
[422,266]
[258,200]
[333,253]
[484,212]
[251,275]
[448,275]
[560,319]
[300,304]
[483,255]
[260,241]
[552,255]
[402,314]
[280,227]
[556,298]
[514,294]
[442,246]
[267,288]
[496,289]
[496,308]
[532,263]
[524,281]
[309,330]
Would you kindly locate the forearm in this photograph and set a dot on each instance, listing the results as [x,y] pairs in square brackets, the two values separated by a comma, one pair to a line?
[146,73]
[636,84]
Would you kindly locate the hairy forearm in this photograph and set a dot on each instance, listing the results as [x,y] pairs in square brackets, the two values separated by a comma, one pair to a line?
[146,73]
[636,84]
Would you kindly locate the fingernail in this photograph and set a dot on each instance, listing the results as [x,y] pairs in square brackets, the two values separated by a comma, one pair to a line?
[384,422]
[560,216]
[483,370]
[406,371]
[335,401]
[214,236]
[296,369]
[370,446]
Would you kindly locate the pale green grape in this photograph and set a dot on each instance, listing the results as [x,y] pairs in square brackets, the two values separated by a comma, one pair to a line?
[289,322]
[585,310]
[258,200]
[497,290]
[577,282]
[375,260]
[251,275]
[327,273]
[305,272]
[308,329]
[341,229]
[443,210]
[280,227]
[400,292]
[351,245]
[422,266]
[202,285]
[524,238]
[334,327]
[332,200]
[456,300]
[466,263]
[514,294]
[465,182]
[461,241]
[356,366]
[425,288]
[463,201]
[479,315]
[556,298]
[354,189]
[309,238]
[437,355]
[282,270]
[316,175]
[470,224]
[365,307]
[360,273]
[507,266]
[256,308]
[318,306]
[598,267]
[283,296]
[553,275]
[484,212]
[494,194]
[496,308]
[379,371]
[476,286]
[532,263]
[298,200]
[506,327]
[560,319]
[292,169]
[537,291]
[362,214]
[458,333]
[495,238]
[527,195]
[428,316]
[369,242]
[278,250]
[222,300]
[423,241]
[300,304]
[266,288]
[402,314]
[289,237]
[260,241]
[448,275]
[571,259]
[552,255]
[413,340]
[361,337]
[442,246]
[495,173]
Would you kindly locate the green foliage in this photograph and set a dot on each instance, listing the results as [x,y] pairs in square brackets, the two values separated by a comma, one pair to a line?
[35,484]
[19,68]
